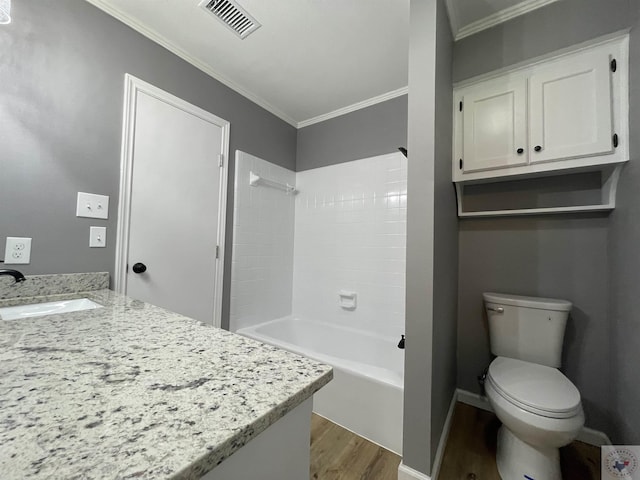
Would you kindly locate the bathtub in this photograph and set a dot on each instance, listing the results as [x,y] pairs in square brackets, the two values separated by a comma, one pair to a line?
[366,394]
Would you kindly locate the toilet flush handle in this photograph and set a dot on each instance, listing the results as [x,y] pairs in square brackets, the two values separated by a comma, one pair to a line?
[496,309]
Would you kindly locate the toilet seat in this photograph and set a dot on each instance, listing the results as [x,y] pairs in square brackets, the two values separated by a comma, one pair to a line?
[537,389]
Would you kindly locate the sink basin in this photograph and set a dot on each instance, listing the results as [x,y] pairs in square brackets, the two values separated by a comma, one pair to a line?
[49,308]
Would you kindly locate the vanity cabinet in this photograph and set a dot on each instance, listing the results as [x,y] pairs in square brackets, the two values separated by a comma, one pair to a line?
[564,112]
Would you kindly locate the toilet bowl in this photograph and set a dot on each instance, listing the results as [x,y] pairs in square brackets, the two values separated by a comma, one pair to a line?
[540,411]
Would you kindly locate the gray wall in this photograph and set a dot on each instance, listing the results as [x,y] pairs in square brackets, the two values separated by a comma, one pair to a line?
[565,256]
[371,131]
[420,242]
[445,256]
[555,26]
[62,77]
[624,255]
[562,257]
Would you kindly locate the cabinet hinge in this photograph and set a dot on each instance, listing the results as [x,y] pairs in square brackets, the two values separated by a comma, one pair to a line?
[460,106]
[614,65]
[461,164]
[615,140]
[217,251]
[220,160]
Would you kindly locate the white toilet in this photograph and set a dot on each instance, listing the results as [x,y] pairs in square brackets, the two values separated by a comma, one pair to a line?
[538,406]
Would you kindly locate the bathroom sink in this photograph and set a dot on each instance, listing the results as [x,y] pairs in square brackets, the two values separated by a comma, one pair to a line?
[49,308]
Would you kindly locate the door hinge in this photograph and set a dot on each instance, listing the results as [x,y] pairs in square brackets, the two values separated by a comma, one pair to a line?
[614,65]
[461,164]
[615,140]
[460,106]
[220,160]
[217,252]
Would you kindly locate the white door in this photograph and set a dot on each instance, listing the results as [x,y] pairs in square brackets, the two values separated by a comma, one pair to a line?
[176,204]
[570,108]
[494,124]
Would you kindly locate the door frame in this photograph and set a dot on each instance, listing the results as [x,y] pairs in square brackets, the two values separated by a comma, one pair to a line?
[133,86]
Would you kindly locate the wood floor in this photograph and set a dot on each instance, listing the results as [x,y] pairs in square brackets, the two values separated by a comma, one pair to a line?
[338,454]
[470,453]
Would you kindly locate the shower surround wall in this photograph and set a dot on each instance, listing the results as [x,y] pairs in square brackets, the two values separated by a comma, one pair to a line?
[350,234]
[262,260]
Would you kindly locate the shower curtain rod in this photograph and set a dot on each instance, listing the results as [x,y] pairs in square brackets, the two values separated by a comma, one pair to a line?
[256,180]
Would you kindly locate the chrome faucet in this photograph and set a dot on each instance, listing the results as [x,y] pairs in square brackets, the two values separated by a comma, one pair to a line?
[18,276]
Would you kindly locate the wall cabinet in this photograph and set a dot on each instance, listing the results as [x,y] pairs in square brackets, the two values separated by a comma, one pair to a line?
[565,113]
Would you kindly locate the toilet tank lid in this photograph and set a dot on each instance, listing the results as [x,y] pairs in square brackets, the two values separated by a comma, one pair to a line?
[528,302]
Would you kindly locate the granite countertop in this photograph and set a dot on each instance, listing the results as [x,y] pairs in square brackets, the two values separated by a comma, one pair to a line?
[135,391]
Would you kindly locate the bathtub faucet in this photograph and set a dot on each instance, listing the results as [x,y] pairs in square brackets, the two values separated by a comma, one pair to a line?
[401,342]
[17,276]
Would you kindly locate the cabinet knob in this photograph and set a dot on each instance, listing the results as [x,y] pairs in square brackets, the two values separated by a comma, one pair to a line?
[520,151]
[538,148]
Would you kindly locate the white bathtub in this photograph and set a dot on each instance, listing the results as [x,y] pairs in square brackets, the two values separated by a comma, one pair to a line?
[366,394]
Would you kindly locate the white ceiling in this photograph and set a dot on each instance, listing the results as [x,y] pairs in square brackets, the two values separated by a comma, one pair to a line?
[310,57]
[471,16]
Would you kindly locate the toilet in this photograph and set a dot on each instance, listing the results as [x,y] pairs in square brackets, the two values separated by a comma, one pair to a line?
[538,406]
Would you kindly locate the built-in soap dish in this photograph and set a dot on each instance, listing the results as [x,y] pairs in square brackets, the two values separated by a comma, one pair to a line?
[348,300]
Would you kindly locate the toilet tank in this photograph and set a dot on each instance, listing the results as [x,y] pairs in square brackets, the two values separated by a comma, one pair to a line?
[527,328]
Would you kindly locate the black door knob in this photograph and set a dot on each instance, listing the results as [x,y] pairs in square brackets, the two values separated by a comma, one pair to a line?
[520,151]
[139,268]
[538,148]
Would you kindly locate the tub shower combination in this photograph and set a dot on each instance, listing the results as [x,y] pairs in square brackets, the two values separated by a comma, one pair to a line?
[299,251]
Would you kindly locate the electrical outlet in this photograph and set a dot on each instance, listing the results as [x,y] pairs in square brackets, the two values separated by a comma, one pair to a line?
[17,251]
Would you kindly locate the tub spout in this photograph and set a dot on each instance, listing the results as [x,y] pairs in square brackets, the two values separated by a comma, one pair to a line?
[401,342]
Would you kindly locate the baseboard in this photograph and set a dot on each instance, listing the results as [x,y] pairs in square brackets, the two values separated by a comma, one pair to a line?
[594,437]
[473,399]
[587,435]
[446,428]
[408,473]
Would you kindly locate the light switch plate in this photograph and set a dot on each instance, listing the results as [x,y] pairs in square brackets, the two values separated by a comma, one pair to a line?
[17,251]
[91,205]
[98,237]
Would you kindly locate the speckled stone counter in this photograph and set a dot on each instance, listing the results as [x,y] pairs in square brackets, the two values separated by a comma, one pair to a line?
[134,391]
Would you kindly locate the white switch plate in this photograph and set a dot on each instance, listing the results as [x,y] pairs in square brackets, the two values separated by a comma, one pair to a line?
[17,251]
[91,205]
[98,237]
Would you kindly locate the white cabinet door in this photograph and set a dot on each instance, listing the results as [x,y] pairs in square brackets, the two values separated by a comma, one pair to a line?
[570,108]
[495,124]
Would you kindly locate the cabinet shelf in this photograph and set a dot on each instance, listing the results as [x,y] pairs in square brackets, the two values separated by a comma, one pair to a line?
[608,183]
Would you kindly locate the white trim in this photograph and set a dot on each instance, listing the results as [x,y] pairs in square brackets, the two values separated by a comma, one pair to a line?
[164,42]
[408,473]
[356,106]
[444,437]
[132,86]
[594,437]
[497,18]
[587,435]
[473,399]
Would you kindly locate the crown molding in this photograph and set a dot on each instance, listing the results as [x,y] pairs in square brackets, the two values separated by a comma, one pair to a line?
[521,8]
[356,106]
[164,42]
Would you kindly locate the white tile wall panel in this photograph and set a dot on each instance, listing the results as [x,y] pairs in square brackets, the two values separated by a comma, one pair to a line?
[263,235]
[350,234]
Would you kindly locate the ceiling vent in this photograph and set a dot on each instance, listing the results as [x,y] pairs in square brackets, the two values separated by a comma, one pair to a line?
[232,15]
